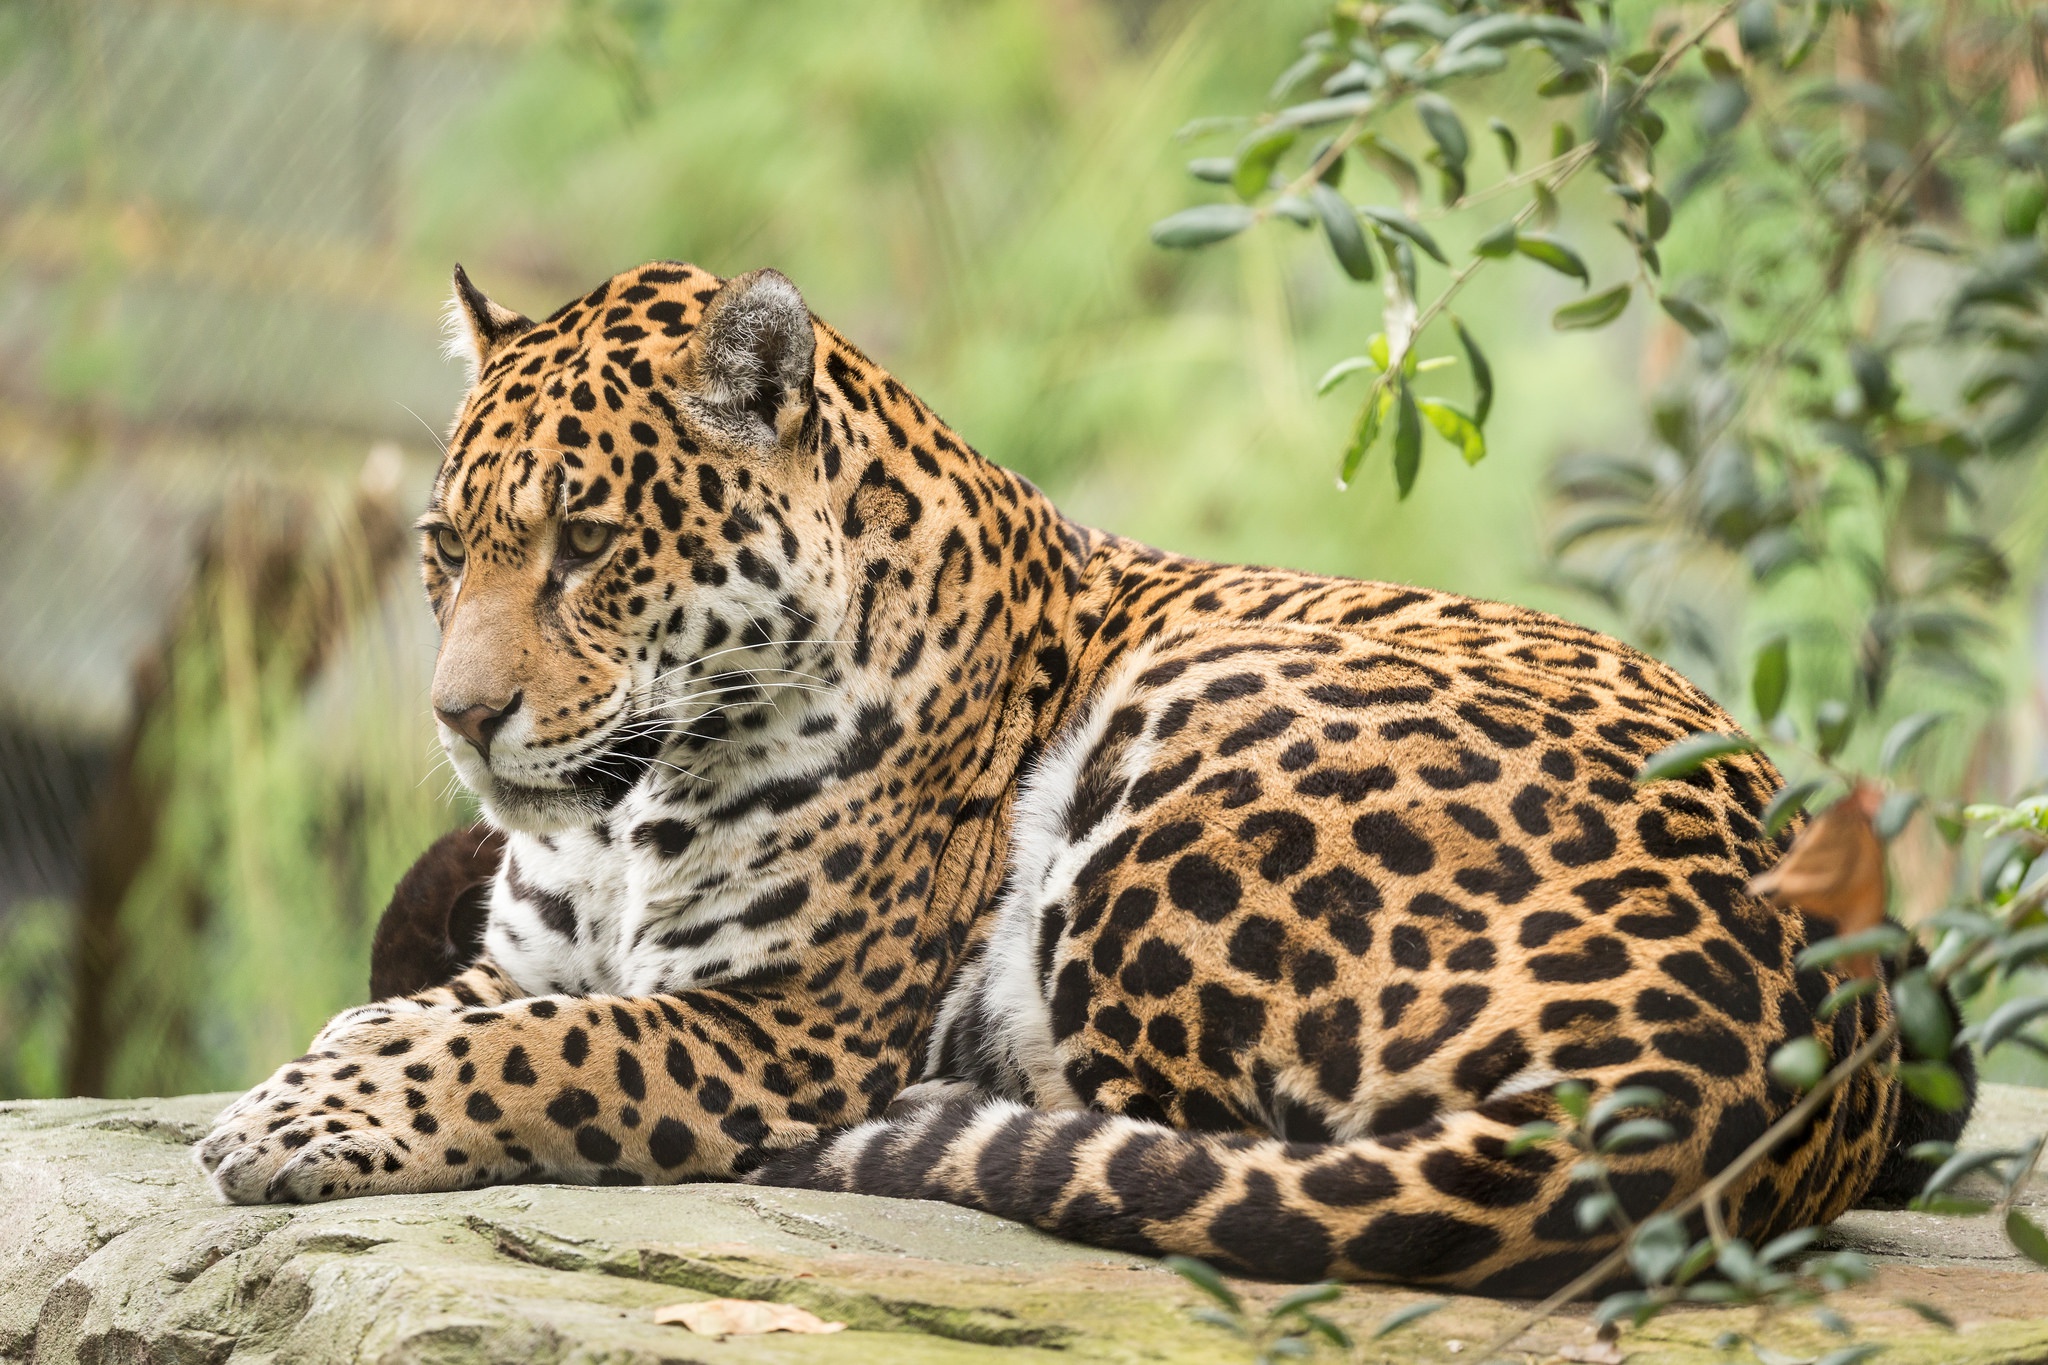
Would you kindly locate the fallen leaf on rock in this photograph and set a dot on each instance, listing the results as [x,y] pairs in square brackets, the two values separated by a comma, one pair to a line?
[1835,869]
[743,1318]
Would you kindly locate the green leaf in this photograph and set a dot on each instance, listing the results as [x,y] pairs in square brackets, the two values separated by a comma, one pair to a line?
[1756,27]
[1445,129]
[1407,227]
[1482,374]
[1327,1330]
[1407,440]
[1894,813]
[1626,1098]
[1934,1083]
[1773,672]
[1637,1133]
[1498,243]
[1342,371]
[2026,1236]
[1364,432]
[1787,804]
[1308,1296]
[2007,1020]
[1690,315]
[1787,1244]
[1510,149]
[1597,311]
[1340,226]
[1531,1135]
[1257,157]
[1595,1209]
[1845,994]
[1393,164]
[1204,1277]
[1924,1016]
[1553,253]
[1800,1064]
[1546,204]
[1401,1317]
[1217,170]
[1658,1248]
[1901,738]
[1958,1165]
[1833,720]
[1656,215]
[1571,1097]
[1881,939]
[1201,225]
[1455,427]
[1928,1312]
[1691,754]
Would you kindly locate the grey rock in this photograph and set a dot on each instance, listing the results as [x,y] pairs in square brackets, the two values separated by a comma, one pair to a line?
[114,1252]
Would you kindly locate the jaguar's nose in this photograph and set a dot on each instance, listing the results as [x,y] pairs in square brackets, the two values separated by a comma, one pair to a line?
[480,722]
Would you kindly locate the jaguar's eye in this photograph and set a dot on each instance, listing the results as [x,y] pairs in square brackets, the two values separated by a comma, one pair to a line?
[585,539]
[449,545]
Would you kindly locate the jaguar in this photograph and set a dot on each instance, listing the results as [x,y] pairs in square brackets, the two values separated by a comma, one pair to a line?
[862,823]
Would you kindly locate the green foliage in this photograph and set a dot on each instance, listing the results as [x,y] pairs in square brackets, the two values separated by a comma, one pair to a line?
[1291,1328]
[1848,400]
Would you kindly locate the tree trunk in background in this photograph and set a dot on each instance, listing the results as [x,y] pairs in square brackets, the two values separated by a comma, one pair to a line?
[302,596]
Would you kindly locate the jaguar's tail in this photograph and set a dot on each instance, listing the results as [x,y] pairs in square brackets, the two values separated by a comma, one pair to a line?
[1374,1209]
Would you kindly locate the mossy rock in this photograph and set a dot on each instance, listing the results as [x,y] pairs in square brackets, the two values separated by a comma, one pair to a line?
[112,1250]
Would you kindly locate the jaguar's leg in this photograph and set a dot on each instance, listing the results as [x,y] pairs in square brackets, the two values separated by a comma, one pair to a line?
[590,1090]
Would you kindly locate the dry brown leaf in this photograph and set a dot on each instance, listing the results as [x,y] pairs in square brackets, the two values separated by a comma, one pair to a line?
[743,1318]
[1835,869]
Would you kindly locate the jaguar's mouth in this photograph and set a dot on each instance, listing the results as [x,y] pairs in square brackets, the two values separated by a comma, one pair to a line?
[585,794]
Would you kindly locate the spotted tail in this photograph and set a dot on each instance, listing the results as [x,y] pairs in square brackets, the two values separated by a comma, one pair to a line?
[1374,1209]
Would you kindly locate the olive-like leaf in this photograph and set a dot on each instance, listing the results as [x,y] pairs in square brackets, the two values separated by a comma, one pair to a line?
[1788,803]
[1401,1317]
[1833,721]
[1407,440]
[1256,159]
[1936,1084]
[1597,311]
[1407,227]
[1201,225]
[1924,1016]
[1342,371]
[1901,738]
[1690,315]
[1455,427]
[1440,120]
[1553,253]
[1205,1277]
[1771,676]
[2026,1236]
[1800,1064]
[1498,243]
[1510,149]
[1691,754]
[1340,226]
[1482,374]
[1364,431]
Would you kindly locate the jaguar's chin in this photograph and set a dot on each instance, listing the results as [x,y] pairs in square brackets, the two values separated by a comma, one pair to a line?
[585,795]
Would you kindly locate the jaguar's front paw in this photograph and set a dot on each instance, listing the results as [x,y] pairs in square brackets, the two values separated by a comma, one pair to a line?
[362,1114]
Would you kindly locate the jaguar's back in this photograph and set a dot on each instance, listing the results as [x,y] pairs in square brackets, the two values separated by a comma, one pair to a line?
[833,758]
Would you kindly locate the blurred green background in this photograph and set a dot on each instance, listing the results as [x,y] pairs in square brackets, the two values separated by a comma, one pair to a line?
[226,228]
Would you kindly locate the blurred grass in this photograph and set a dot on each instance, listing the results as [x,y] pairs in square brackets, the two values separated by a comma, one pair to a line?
[962,190]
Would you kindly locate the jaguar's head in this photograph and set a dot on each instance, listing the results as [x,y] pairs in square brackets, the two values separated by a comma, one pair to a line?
[629,547]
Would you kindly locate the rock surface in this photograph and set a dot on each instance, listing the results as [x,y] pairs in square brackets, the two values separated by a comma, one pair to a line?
[112,1251]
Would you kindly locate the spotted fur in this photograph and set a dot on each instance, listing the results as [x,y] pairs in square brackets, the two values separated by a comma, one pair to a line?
[1173,906]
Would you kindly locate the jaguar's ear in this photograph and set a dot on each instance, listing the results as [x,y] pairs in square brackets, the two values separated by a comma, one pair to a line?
[748,367]
[477,328]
